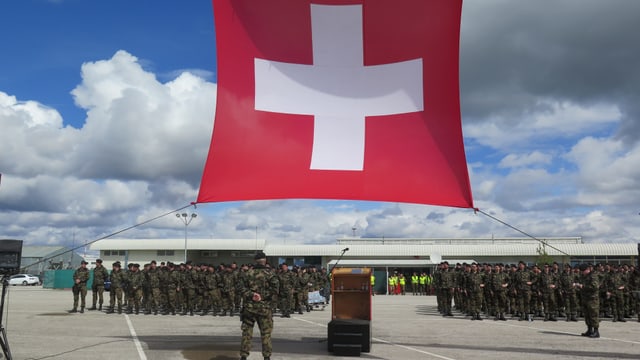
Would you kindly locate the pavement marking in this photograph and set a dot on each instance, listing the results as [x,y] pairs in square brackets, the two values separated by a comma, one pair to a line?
[134,336]
[385,342]
[566,332]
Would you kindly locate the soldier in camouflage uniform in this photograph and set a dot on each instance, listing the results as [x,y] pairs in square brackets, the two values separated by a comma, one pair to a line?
[548,284]
[100,274]
[189,279]
[212,291]
[117,278]
[568,287]
[523,282]
[447,285]
[153,276]
[499,287]
[475,286]
[228,292]
[286,279]
[80,278]
[174,279]
[257,287]
[136,282]
[615,291]
[590,287]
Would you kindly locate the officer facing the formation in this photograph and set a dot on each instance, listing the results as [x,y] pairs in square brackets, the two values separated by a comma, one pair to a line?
[258,288]
[80,278]
[590,285]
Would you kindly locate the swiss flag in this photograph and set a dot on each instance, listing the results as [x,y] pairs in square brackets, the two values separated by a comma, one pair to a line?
[337,99]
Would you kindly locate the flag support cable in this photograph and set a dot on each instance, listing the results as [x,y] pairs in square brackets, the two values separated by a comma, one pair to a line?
[114,233]
[476,210]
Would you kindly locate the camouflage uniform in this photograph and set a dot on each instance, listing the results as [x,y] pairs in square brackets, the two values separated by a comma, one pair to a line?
[174,278]
[117,278]
[212,291]
[257,287]
[474,286]
[499,288]
[567,285]
[523,282]
[80,278]
[136,282]
[100,274]
[286,279]
[153,276]
[590,285]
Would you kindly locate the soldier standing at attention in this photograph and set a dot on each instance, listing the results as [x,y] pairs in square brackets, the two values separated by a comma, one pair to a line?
[117,278]
[258,286]
[80,278]
[100,274]
[590,285]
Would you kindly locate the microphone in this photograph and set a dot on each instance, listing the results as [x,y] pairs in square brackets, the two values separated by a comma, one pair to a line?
[345,249]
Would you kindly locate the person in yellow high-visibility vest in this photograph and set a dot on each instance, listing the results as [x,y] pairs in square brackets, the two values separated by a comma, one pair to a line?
[422,283]
[402,282]
[392,285]
[414,283]
[373,284]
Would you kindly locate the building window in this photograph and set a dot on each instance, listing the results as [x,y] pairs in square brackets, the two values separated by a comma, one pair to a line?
[115,252]
[165,252]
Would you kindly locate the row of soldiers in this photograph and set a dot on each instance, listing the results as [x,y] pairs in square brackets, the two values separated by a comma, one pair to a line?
[203,288]
[547,291]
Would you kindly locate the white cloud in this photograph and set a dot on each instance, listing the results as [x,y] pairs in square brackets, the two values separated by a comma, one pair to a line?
[521,160]
[549,120]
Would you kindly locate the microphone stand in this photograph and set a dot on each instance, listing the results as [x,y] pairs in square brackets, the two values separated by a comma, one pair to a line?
[339,258]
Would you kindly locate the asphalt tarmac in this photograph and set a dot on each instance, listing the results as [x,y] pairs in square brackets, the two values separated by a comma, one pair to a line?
[39,327]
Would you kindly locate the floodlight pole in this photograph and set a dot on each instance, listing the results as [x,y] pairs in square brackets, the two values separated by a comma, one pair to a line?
[186,220]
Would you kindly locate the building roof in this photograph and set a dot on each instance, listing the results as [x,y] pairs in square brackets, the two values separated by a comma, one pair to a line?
[178,244]
[451,250]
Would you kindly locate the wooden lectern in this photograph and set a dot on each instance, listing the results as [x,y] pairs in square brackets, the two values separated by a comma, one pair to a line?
[349,331]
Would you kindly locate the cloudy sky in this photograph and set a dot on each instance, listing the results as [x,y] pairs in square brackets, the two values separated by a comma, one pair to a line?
[106,113]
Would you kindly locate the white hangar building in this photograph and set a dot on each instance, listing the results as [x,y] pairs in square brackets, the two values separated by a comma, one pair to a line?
[381,254]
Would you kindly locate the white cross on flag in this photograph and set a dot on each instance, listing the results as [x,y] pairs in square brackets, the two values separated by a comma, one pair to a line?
[337,99]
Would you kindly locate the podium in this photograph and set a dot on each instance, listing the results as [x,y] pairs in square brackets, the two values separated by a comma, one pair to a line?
[349,331]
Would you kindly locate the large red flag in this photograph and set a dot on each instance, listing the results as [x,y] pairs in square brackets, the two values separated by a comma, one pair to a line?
[329,99]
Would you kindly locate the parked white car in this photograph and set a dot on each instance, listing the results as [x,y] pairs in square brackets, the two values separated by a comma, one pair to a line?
[24,279]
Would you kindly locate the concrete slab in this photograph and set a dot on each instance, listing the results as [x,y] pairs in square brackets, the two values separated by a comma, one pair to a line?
[404,327]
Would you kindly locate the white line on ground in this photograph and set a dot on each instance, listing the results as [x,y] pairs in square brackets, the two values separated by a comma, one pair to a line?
[134,336]
[385,342]
[563,332]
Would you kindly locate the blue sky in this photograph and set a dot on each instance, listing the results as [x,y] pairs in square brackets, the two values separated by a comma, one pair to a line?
[53,38]
[106,111]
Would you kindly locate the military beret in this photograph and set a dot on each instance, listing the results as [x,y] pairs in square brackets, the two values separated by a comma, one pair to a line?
[99,261]
[584,266]
[260,255]
[83,262]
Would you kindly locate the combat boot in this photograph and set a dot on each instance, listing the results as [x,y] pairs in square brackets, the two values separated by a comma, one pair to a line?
[74,310]
[546,317]
[573,318]
[93,307]
[110,311]
[191,312]
[621,319]
[588,332]
[100,307]
[595,333]
[82,310]
[502,318]
[478,317]
[119,309]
